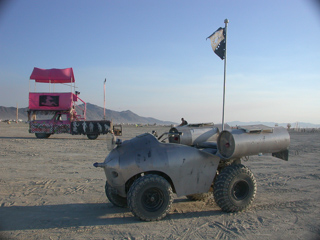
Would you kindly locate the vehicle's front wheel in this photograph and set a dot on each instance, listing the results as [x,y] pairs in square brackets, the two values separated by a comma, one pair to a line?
[42,135]
[114,198]
[150,197]
[92,136]
[235,188]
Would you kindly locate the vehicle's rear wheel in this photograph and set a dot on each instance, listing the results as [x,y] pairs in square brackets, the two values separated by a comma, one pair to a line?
[235,188]
[150,197]
[92,136]
[114,198]
[42,135]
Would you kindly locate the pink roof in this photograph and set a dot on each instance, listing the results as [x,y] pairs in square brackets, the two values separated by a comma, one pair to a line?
[53,75]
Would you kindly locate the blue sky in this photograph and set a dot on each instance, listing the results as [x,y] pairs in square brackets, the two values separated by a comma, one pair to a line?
[157,61]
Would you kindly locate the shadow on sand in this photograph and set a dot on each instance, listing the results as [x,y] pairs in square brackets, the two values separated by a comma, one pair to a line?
[71,138]
[17,138]
[74,215]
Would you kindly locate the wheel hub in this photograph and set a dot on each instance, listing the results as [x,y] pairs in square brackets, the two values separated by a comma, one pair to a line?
[240,190]
[152,199]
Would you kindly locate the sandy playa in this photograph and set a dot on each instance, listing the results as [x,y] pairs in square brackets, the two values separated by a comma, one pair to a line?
[50,190]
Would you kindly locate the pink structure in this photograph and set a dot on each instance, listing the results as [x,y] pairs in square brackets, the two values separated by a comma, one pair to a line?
[57,112]
[53,75]
[51,101]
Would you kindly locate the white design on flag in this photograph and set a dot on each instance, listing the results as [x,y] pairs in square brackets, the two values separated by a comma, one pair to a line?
[216,38]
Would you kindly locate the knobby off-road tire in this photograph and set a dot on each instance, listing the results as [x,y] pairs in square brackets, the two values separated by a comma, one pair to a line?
[114,198]
[42,135]
[199,196]
[92,136]
[150,197]
[235,188]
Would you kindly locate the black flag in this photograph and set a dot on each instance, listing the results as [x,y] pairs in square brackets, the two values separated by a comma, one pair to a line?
[218,42]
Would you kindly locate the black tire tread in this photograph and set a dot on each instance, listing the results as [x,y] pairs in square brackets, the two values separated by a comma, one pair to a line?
[114,198]
[92,136]
[134,190]
[42,135]
[221,185]
[199,196]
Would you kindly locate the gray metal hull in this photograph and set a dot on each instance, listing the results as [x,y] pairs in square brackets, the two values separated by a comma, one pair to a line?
[189,170]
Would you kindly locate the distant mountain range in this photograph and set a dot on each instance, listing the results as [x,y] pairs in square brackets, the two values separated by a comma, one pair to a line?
[272,124]
[95,112]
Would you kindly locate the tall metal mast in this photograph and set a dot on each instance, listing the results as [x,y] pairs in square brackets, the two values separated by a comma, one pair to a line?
[226,21]
[104,99]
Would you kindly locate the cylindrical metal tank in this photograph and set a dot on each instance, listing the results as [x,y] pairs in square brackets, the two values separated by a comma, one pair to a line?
[245,142]
[195,135]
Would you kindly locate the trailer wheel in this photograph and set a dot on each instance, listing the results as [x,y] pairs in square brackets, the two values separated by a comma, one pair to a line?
[150,197]
[114,198]
[42,135]
[92,136]
[235,188]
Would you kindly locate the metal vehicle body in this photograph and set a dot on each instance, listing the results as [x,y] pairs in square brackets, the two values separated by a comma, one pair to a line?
[144,172]
[59,112]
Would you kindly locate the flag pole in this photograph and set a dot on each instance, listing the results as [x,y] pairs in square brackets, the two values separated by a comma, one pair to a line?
[17,114]
[104,99]
[226,21]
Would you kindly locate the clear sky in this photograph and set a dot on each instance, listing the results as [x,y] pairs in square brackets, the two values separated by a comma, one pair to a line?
[157,61]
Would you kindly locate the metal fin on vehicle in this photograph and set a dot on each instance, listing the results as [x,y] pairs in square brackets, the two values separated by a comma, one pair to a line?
[284,155]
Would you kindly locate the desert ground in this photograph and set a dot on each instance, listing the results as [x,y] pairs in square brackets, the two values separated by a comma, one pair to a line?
[49,189]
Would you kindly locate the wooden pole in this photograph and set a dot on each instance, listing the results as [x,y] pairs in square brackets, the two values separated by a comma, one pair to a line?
[17,115]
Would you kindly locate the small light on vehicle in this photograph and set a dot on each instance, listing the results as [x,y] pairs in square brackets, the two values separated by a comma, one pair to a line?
[115,174]
[118,142]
